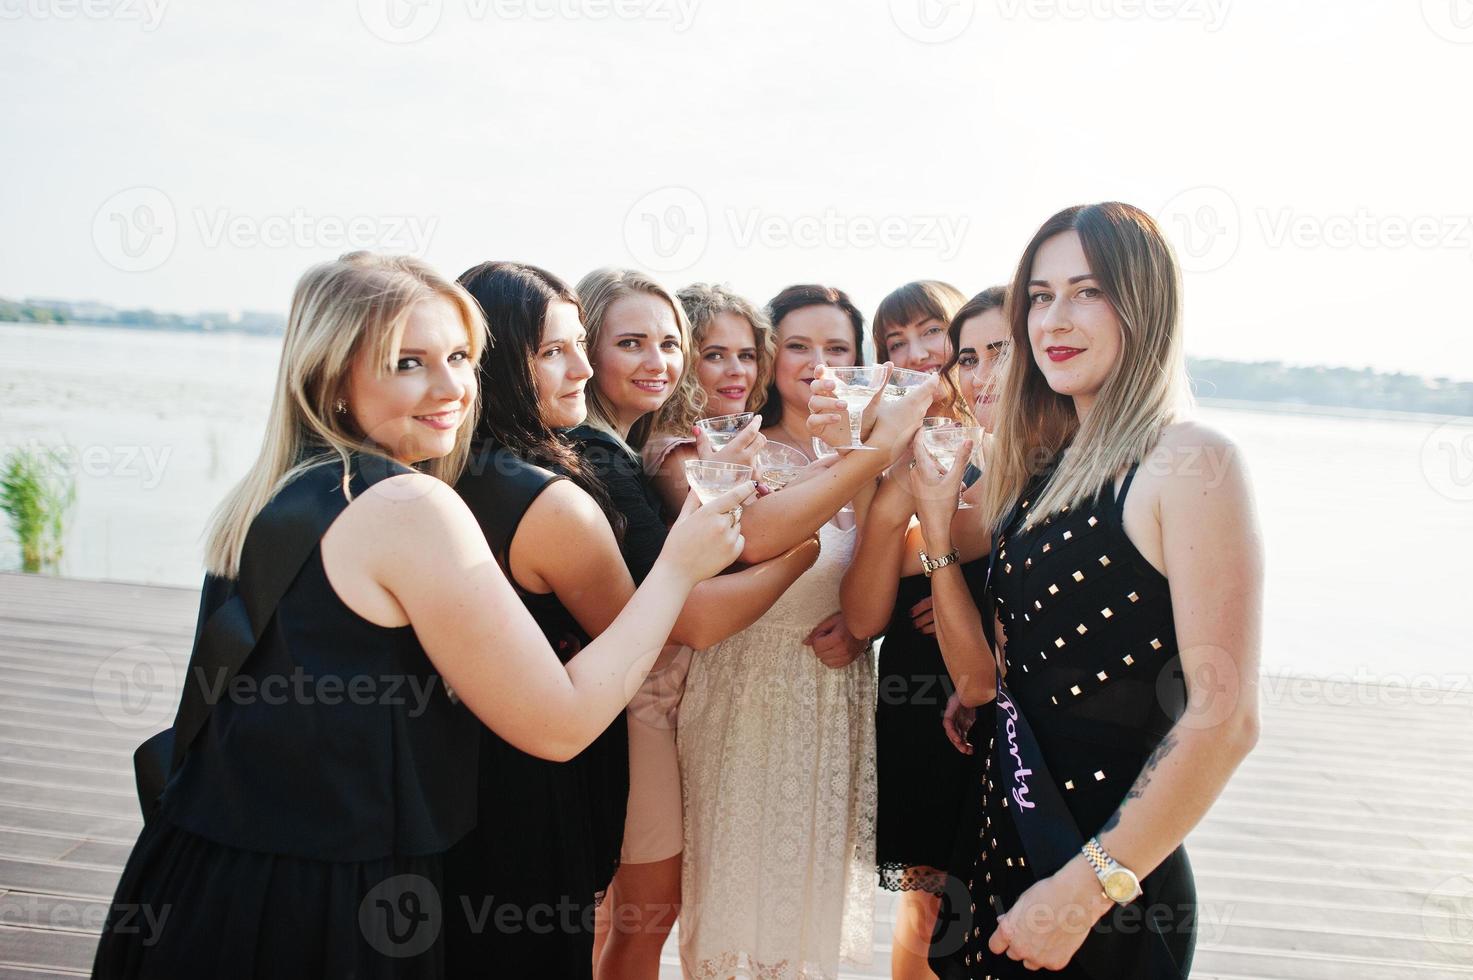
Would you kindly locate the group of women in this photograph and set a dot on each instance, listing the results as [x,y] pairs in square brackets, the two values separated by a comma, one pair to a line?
[643,709]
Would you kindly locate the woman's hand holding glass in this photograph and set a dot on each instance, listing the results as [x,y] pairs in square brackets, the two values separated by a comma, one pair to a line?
[936,491]
[742,447]
[707,538]
[896,420]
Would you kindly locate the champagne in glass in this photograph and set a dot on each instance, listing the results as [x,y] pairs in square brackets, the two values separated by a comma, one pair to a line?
[722,429]
[779,465]
[901,381]
[856,386]
[944,443]
[710,478]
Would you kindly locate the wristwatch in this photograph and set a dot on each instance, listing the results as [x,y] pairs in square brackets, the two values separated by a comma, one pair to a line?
[1119,882]
[929,564]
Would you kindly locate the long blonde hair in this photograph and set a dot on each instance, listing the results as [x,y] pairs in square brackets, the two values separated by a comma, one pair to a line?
[1145,391]
[341,310]
[703,302]
[599,290]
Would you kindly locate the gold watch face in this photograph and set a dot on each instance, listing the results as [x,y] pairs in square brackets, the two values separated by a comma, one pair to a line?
[1121,886]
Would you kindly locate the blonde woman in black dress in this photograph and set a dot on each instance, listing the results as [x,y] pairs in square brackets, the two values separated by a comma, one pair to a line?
[305,835]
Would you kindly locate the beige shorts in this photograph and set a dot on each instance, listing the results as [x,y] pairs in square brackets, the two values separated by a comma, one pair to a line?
[654,826]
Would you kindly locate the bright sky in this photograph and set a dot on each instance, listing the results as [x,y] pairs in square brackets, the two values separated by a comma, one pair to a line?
[1310,159]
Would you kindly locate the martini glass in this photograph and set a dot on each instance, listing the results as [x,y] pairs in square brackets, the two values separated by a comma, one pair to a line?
[710,478]
[722,429]
[901,381]
[856,386]
[945,443]
[779,465]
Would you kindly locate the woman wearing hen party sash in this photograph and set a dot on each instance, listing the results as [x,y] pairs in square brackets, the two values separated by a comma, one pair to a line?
[1127,585]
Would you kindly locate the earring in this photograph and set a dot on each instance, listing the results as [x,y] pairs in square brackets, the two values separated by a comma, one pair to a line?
[341,406]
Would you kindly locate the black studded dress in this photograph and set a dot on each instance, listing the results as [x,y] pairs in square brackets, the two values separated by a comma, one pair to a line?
[1091,662]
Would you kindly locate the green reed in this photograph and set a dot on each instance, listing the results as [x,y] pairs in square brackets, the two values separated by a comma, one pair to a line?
[37,491]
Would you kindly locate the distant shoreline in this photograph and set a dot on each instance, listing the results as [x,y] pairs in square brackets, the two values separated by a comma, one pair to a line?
[1286,406]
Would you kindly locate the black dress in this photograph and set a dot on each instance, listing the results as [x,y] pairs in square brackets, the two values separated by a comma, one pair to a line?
[921,777]
[631,493]
[1092,665]
[547,841]
[303,834]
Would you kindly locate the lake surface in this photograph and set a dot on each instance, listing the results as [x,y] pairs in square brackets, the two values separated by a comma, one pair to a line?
[1368,520]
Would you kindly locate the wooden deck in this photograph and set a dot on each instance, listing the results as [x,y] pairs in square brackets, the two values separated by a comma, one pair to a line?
[1344,849]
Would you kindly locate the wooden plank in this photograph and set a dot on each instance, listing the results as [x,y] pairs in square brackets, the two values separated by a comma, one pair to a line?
[1324,859]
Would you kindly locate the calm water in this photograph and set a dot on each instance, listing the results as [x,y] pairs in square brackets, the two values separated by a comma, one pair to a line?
[1368,529]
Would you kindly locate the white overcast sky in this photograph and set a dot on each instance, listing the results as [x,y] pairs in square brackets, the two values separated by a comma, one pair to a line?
[1312,159]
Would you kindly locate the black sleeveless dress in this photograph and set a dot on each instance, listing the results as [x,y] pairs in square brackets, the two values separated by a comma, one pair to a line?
[304,833]
[922,779]
[547,841]
[1093,666]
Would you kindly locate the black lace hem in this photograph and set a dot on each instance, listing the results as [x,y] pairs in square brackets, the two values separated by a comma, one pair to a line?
[896,877]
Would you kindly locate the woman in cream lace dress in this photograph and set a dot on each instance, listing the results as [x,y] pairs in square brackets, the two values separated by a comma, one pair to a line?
[776,730]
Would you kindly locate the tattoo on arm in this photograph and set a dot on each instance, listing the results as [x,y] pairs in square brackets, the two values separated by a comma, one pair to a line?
[1143,780]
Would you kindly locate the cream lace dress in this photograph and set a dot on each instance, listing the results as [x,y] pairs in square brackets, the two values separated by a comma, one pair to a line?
[777,758]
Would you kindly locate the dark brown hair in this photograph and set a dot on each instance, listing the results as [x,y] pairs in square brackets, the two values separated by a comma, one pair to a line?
[514,298]
[796,298]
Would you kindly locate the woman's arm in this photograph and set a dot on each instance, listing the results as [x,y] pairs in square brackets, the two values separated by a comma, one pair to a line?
[776,522]
[593,582]
[969,659]
[872,579]
[1212,554]
[420,545]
